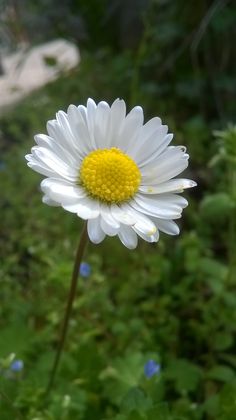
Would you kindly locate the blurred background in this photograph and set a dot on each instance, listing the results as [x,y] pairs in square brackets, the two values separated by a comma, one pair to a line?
[173,302]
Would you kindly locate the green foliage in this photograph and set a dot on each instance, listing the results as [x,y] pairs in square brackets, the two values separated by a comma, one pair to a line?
[217,208]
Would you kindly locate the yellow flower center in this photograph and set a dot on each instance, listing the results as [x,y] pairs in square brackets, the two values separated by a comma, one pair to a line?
[110,175]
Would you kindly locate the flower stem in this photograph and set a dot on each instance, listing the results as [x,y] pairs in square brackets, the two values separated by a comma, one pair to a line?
[71,296]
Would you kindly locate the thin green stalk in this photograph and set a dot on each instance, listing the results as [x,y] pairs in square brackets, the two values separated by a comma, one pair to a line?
[71,297]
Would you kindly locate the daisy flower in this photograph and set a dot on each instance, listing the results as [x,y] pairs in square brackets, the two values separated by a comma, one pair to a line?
[112,170]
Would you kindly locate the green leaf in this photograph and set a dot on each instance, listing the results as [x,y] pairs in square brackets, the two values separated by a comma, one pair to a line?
[135,415]
[215,274]
[135,399]
[216,208]
[123,374]
[228,402]
[185,374]
[15,338]
[159,412]
[222,341]
[221,373]
[211,406]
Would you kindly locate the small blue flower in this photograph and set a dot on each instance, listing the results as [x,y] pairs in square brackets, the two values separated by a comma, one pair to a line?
[151,368]
[17,366]
[85,269]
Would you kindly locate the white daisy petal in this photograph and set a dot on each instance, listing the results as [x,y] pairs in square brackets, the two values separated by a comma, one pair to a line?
[167,226]
[106,215]
[108,223]
[48,142]
[128,237]
[91,113]
[55,132]
[102,125]
[86,208]
[174,185]
[121,215]
[152,144]
[58,132]
[39,167]
[83,112]
[66,129]
[141,222]
[130,128]
[118,112]
[145,225]
[47,200]
[169,164]
[145,132]
[147,238]
[62,191]
[44,140]
[80,130]
[153,152]
[168,200]
[95,232]
[156,207]
[53,162]
[107,228]
[125,171]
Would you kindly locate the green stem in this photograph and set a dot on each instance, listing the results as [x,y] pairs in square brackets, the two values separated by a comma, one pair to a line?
[71,297]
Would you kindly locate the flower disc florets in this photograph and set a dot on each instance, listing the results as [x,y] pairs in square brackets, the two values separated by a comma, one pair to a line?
[110,175]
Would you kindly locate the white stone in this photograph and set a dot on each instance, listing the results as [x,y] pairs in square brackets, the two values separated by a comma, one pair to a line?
[27,69]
